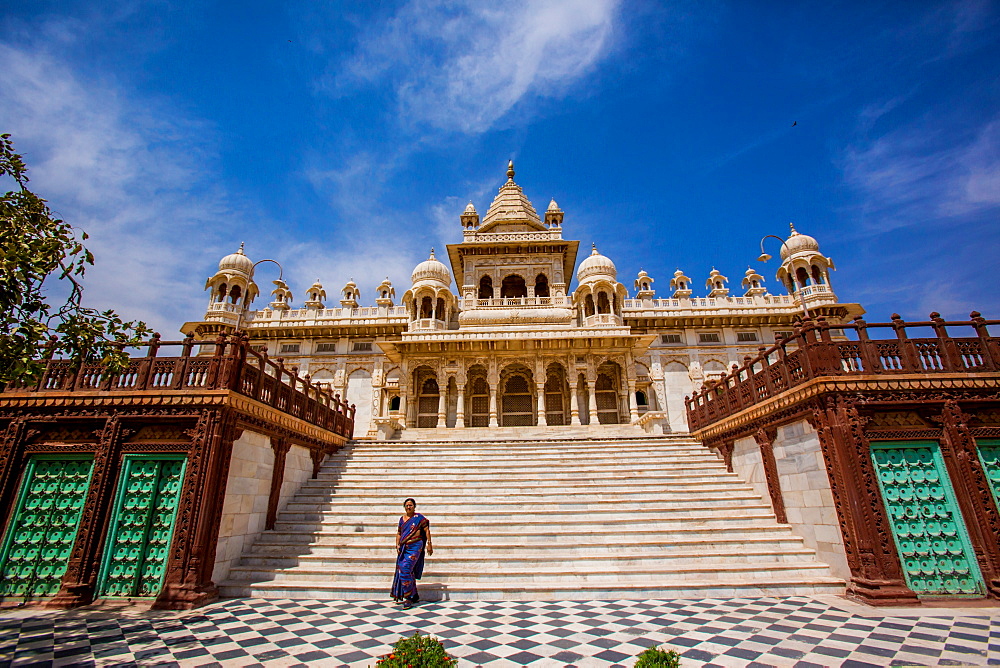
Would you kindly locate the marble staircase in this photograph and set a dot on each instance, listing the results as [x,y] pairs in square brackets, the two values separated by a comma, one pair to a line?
[638,517]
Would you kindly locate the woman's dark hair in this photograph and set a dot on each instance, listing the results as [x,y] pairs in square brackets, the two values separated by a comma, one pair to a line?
[410,499]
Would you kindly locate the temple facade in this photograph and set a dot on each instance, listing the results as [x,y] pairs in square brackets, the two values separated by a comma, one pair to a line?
[502,336]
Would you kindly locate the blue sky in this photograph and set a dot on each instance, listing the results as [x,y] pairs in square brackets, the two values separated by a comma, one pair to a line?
[344,139]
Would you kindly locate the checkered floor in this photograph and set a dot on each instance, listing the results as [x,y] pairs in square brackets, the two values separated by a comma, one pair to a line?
[796,631]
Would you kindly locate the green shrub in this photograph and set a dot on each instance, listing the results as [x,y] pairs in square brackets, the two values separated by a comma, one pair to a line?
[417,652]
[654,657]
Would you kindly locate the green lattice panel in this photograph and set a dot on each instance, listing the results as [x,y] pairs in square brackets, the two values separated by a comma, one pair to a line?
[927,525]
[989,455]
[142,526]
[41,534]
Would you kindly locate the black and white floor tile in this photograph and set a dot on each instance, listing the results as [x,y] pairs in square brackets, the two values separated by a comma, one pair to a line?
[801,632]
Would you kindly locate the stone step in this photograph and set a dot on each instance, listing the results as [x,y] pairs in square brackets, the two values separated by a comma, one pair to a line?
[397,480]
[476,488]
[484,502]
[533,572]
[375,545]
[661,588]
[463,498]
[580,561]
[757,517]
[580,513]
[470,454]
[613,535]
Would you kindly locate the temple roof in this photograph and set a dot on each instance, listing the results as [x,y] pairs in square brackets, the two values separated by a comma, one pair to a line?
[511,208]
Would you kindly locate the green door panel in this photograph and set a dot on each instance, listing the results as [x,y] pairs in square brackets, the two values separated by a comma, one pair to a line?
[135,557]
[41,534]
[928,528]
[989,456]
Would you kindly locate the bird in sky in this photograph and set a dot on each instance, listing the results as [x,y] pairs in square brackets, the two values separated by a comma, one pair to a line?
[794,123]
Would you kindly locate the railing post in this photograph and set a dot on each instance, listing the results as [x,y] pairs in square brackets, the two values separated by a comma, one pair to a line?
[868,359]
[949,351]
[783,361]
[181,367]
[146,365]
[212,382]
[990,346]
[765,368]
[906,351]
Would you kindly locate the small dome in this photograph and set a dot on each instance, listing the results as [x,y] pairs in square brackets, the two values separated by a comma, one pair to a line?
[237,261]
[797,243]
[469,208]
[553,206]
[431,269]
[596,265]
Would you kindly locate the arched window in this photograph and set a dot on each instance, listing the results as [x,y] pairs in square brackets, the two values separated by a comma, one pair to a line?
[513,286]
[222,293]
[817,275]
[803,276]
[234,294]
[394,404]
[603,306]
[426,307]
[683,285]
[486,288]
[541,286]
[588,305]
[640,398]
[440,309]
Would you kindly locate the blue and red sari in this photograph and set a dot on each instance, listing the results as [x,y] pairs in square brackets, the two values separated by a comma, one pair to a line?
[410,559]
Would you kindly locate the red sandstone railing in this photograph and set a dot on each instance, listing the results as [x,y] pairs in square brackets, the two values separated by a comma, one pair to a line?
[231,366]
[812,352]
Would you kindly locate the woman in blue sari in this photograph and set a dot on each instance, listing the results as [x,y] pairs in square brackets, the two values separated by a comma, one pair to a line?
[412,538]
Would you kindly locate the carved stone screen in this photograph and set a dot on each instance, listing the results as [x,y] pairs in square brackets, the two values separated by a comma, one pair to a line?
[989,455]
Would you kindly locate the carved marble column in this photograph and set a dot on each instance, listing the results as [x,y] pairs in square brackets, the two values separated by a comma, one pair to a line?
[540,389]
[765,440]
[280,446]
[460,408]
[592,395]
[633,407]
[493,406]
[574,404]
[442,421]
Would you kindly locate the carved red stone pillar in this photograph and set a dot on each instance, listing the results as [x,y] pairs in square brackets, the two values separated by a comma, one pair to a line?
[188,581]
[876,572]
[765,439]
[80,581]
[973,491]
[281,446]
[11,466]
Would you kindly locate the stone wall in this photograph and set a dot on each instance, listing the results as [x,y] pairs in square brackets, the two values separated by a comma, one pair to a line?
[747,464]
[245,507]
[805,488]
[298,469]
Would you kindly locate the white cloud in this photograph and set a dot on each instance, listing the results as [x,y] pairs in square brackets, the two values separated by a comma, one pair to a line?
[465,65]
[920,174]
[125,171]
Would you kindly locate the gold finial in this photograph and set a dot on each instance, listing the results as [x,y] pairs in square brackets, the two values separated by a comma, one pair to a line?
[432,254]
[510,170]
[791,226]
[240,251]
[593,247]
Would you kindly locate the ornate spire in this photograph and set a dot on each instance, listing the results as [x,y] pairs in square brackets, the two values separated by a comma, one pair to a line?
[510,171]
[791,226]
